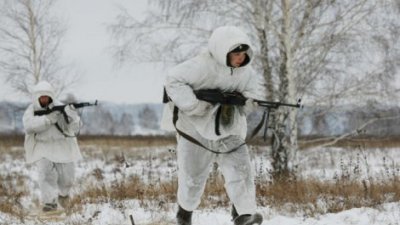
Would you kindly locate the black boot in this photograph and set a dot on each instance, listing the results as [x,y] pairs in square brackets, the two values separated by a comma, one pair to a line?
[49,207]
[183,217]
[234,213]
[63,201]
[247,219]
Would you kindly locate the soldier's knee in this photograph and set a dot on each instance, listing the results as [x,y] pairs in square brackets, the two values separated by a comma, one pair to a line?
[193,182]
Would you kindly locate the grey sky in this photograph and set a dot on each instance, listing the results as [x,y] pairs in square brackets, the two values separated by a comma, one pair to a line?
[85,45]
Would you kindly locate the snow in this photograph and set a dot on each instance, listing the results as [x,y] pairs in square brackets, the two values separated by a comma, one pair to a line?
[387,214]
[152,163]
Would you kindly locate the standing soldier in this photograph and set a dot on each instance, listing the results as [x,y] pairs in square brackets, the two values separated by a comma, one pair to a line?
[210,133]
[50,143]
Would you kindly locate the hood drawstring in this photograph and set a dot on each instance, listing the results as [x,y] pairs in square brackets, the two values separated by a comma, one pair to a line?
[231,70]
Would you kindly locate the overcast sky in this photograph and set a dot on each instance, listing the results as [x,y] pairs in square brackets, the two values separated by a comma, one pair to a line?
[85,45]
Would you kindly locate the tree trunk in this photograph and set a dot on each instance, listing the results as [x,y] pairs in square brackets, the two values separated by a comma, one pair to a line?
[262,18]
[284,141]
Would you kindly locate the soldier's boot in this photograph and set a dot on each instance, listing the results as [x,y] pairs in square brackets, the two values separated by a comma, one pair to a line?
[183,217]
[63,201]
[49,207]
[246,219]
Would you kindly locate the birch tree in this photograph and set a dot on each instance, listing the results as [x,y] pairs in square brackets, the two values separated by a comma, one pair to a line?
[314,49]
[148,118]
[125,125]
[30,38]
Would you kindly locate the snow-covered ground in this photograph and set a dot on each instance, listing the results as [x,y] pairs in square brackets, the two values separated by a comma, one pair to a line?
[159,163]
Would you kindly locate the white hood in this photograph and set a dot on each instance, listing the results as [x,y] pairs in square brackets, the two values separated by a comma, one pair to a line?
[43,88]
[224,39]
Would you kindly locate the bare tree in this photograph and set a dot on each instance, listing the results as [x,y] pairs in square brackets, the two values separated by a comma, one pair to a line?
[148,118]
[99,121]
[30,40]
[380,46]
[315,49]
[125,125]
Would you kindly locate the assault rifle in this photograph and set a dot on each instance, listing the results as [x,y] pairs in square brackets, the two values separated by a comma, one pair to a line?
[268,107]
[215,96]
[61,108]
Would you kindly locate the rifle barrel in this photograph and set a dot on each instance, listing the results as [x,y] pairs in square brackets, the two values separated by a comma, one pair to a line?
[84,104]
[277,104]
[61,108]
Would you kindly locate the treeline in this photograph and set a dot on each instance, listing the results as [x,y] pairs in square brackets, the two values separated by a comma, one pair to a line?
[144,119]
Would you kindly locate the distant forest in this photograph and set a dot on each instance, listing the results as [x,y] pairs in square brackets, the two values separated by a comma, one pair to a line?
[144,119]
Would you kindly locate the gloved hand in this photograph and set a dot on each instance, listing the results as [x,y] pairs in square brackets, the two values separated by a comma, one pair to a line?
[200,109]
[249,106]
[71,112]
[53,117]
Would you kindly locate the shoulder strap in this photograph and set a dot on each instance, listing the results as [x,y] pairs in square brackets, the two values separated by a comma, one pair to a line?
[193,140]
[61,131]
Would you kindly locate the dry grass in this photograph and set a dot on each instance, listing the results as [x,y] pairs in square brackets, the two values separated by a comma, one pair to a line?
[152,141]
[308,196]
[313,196]
[7,141]
[305,142]
[352,143]
[154,195]
[127,141]
[11,194]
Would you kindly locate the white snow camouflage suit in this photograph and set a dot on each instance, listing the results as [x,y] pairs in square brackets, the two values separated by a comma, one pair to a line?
[53,152]
[209,70]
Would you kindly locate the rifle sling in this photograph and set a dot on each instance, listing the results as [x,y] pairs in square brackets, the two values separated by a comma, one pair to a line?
[217,130]
[62,132]
[217,119]
[259,126]
[193,140]
[59,128]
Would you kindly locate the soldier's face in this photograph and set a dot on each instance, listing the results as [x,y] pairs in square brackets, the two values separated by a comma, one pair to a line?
[44,100]
[237,58]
